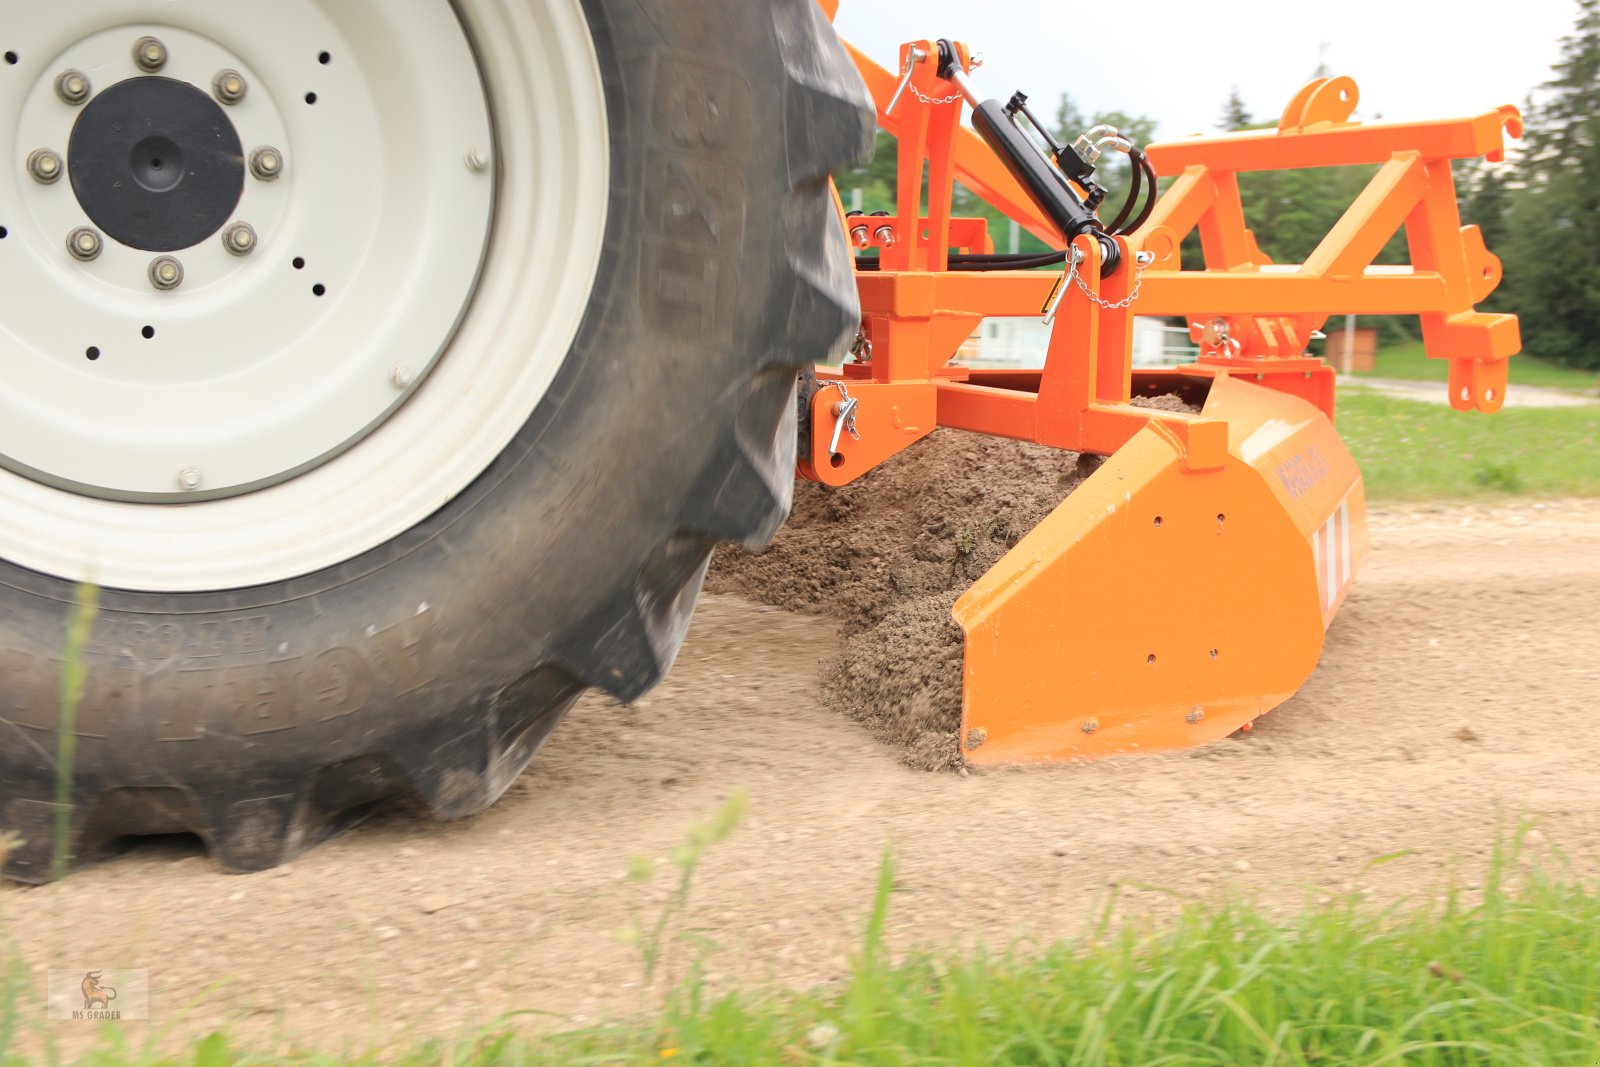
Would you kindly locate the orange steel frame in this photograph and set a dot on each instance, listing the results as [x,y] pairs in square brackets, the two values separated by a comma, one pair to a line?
[917,313]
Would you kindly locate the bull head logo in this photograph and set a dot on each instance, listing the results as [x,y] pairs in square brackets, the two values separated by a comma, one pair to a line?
[95,994]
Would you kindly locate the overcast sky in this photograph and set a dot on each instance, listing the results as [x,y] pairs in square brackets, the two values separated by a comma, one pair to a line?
[1412,59]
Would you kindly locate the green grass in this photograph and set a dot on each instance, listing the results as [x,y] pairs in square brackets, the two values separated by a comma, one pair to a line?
[1410,362]
[1409,450]
[1513,979]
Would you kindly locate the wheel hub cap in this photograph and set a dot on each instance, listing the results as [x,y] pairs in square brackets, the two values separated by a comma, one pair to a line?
[156,164]
[383,308]
[331,135]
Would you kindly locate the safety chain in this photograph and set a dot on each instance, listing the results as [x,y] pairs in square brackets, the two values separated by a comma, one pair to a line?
[913,57]
[1142,261]
[926,99]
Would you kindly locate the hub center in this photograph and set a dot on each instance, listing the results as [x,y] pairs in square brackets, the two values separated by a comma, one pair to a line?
[156,164]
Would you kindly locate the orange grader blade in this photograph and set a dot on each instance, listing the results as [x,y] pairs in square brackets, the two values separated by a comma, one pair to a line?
[1160,607]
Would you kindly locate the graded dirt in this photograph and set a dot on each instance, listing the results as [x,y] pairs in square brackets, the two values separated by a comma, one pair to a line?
[1456,695]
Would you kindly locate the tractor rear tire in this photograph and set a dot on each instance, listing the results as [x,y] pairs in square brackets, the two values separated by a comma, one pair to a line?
[265,717]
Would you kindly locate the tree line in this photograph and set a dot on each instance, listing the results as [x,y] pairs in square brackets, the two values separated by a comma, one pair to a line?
[1540,210]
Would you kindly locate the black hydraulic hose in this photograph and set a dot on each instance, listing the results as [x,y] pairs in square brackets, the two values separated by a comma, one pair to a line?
[1151,190]
[1016,260]
[984,261]
[1144,179]
[1053,259]
[1128,202]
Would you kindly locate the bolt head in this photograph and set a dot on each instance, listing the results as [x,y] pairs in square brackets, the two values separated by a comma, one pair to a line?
[1195,715]
[1215,333]
[1091,725]
[403,375]
[239,239]
[266,163]
[72,86]
[149,54]
[189,478]
[45,166]
[85,244]
[976,737]
[477,159]
[229,86]
[166,273]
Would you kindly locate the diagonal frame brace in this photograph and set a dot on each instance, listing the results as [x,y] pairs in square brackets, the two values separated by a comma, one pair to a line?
[1375,216]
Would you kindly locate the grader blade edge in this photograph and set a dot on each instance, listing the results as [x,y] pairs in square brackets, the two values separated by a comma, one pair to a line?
[1159,607]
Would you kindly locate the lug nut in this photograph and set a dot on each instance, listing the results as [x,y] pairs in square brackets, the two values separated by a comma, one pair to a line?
[190,478]
[84,244]
[45,166]
[166,273]
[240,239]
[477,159]
[229,85]
[72,86]
[150,54]
[266,163]
[403,375]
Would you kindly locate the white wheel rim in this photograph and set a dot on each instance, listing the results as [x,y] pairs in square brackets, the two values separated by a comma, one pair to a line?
[435,366]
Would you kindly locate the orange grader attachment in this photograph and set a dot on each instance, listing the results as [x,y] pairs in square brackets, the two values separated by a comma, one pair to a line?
[1185,587]
[1164,604]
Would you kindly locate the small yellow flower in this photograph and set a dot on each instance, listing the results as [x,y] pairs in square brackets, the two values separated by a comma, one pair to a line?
[669,1053]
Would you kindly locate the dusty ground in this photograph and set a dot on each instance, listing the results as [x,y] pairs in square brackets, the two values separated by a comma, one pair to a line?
[1459,689]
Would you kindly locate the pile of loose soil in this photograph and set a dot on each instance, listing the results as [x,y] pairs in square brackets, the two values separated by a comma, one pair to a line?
[888,555]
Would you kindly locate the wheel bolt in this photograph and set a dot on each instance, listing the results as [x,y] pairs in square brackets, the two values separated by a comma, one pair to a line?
[72,86]
[477,159]
[229,85]
[150,54]
[266,163]
[190,478]
[166,273]
[45,166]
[240,239]
[84,244]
